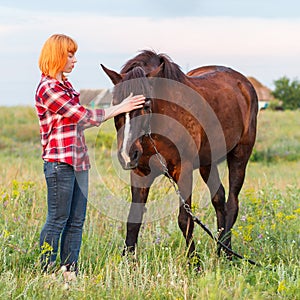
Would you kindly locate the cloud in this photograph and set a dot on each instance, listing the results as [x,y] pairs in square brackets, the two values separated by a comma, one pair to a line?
[212,35]
[266,48]
[186,35]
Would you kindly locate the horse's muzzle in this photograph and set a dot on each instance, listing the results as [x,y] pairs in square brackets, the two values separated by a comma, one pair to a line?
[131,161]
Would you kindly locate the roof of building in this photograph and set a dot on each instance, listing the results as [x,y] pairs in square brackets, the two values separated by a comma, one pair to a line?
[263,92]
[96,97]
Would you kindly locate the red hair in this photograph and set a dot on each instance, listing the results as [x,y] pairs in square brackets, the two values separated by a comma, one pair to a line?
[54,54]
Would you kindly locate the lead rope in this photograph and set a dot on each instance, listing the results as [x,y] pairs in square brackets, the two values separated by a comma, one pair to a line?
[188,208]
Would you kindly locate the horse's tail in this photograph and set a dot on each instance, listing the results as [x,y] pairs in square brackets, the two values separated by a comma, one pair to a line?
[250,114]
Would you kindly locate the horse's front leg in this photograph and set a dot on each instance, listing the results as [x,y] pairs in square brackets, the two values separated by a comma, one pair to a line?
[186,224]
[139,190]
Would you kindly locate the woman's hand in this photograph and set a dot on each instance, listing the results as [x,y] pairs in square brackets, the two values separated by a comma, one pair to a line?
[132,102]
[128,104]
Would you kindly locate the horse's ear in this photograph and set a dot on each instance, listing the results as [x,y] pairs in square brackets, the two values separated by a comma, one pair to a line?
[155,72]
[113,75]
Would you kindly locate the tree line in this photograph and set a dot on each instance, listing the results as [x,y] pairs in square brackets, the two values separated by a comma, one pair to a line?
[286,93]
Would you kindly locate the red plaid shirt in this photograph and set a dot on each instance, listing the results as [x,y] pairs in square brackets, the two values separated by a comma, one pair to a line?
[62,121]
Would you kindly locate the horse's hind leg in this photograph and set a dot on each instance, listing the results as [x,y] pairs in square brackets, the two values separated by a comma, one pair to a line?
[237,160]
[211,177]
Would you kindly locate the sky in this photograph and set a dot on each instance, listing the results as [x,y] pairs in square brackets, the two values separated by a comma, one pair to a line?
[259,38]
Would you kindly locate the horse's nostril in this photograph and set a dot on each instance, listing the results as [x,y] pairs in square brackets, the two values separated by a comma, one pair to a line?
[135,155]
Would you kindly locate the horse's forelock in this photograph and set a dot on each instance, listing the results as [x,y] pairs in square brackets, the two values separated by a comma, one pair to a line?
[136,72]
[135,82]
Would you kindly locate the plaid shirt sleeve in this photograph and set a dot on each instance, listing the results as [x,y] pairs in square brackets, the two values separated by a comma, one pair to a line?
[65,102]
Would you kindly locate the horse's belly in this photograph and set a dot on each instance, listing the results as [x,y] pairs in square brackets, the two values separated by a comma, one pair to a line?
[214,148]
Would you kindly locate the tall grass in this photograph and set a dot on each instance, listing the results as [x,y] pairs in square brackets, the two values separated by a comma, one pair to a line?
[267,229]
[278,137]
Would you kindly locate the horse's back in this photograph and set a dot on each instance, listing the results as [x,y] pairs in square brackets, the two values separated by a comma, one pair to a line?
[220,75]
[204,70]
[233,100]
[221,86]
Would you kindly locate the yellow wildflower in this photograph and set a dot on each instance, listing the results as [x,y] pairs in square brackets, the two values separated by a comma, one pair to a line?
[6,233]
[290,217]
[297,211]
[46,248]
[281,286]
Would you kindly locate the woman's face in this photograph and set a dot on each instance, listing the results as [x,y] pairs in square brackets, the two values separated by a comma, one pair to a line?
[71,60]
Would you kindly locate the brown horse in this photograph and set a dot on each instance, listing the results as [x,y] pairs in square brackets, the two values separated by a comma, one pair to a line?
[189,121]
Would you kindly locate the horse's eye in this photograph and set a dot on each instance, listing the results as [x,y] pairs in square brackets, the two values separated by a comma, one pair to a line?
[147,105]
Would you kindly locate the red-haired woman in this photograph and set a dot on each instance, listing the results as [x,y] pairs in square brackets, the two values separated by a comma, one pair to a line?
[66,162]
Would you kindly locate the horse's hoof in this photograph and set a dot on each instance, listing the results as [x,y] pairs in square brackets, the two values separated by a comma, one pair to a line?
[227,254]
[129,252]
[195,263]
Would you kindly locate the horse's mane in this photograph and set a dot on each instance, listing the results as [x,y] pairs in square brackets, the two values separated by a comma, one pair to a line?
[149,60]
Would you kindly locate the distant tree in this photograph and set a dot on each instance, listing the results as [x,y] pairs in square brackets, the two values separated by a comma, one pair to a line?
[288,92]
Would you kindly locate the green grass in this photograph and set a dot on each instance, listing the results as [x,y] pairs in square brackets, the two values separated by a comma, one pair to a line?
[267,229]
[278,137]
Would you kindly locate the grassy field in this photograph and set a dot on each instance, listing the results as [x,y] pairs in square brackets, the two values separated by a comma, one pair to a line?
[267,229]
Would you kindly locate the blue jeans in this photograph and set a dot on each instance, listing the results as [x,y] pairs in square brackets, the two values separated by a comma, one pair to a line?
[67,201]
